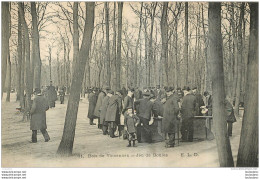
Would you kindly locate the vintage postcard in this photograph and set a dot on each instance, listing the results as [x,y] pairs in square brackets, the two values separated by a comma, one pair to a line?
[129,84]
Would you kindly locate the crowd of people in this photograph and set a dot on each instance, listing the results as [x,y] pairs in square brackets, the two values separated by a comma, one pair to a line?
[136,110]
[131,113]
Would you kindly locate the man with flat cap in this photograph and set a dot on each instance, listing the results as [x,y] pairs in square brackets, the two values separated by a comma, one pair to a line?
[38,113]
[144,112]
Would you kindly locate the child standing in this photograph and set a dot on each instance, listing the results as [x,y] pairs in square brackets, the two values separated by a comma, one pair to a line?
[131,122]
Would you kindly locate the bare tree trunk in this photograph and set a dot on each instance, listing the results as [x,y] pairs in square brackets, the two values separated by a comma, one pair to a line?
[119,43]
[9,72]
[248,146]
[107,44]
[114,50]
[75,34]
[35,48]
[217,75]
[5,40]
[206,67]
[164,31]
[27,59]
[66,144]
[239,60]
[186,51]
[136,47]
[22,97]
[50,63]
[150,52]
[19,59]
[8,77]
[235,52]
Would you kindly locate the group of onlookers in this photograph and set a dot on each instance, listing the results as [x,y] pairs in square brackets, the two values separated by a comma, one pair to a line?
[132,112]
[136,110]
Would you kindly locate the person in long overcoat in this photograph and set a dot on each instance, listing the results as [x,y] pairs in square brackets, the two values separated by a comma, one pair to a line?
[128,101]
[62,95]
[51,95]
[97,110]
[230,116]
[188,111]
[131,121]
[113,112]
[103,112]
[199,101]
[144,108]
[38,116]
[137,94]
[170,119]
[92,99]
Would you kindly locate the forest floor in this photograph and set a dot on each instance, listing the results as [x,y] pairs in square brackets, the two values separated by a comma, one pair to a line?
[92,149]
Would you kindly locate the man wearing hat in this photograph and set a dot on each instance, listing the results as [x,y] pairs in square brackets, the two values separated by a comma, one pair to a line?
[170,119]
[113,113]
[103,111]
[188,110]
[52,95]
[128,100]
[92,99]
[199,101]
[97,110]
[38,113]
[144,112]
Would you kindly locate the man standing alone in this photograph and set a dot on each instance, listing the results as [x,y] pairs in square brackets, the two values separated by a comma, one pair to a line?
[38,112]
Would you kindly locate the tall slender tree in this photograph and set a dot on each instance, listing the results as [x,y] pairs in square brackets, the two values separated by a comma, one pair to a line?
[26,60]
[5,41]
[119,44]
[164,30]
[35,48]
[108,72]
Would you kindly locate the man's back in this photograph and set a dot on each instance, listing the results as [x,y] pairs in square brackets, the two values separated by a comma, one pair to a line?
[188,105]
[145,108]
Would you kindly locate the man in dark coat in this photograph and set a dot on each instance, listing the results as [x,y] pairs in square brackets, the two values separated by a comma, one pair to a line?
[137,94]
[230,116]
[113,113]
[51,95]
[208,102]
[144,112]
[188,110]
[97,110]
[128,101]
[62,95]
[38,113]
[170,120]
[92,99]
[124,92]
[199,101]
[103,112]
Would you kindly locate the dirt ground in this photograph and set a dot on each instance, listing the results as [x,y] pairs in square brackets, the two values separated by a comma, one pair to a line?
[92,149]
